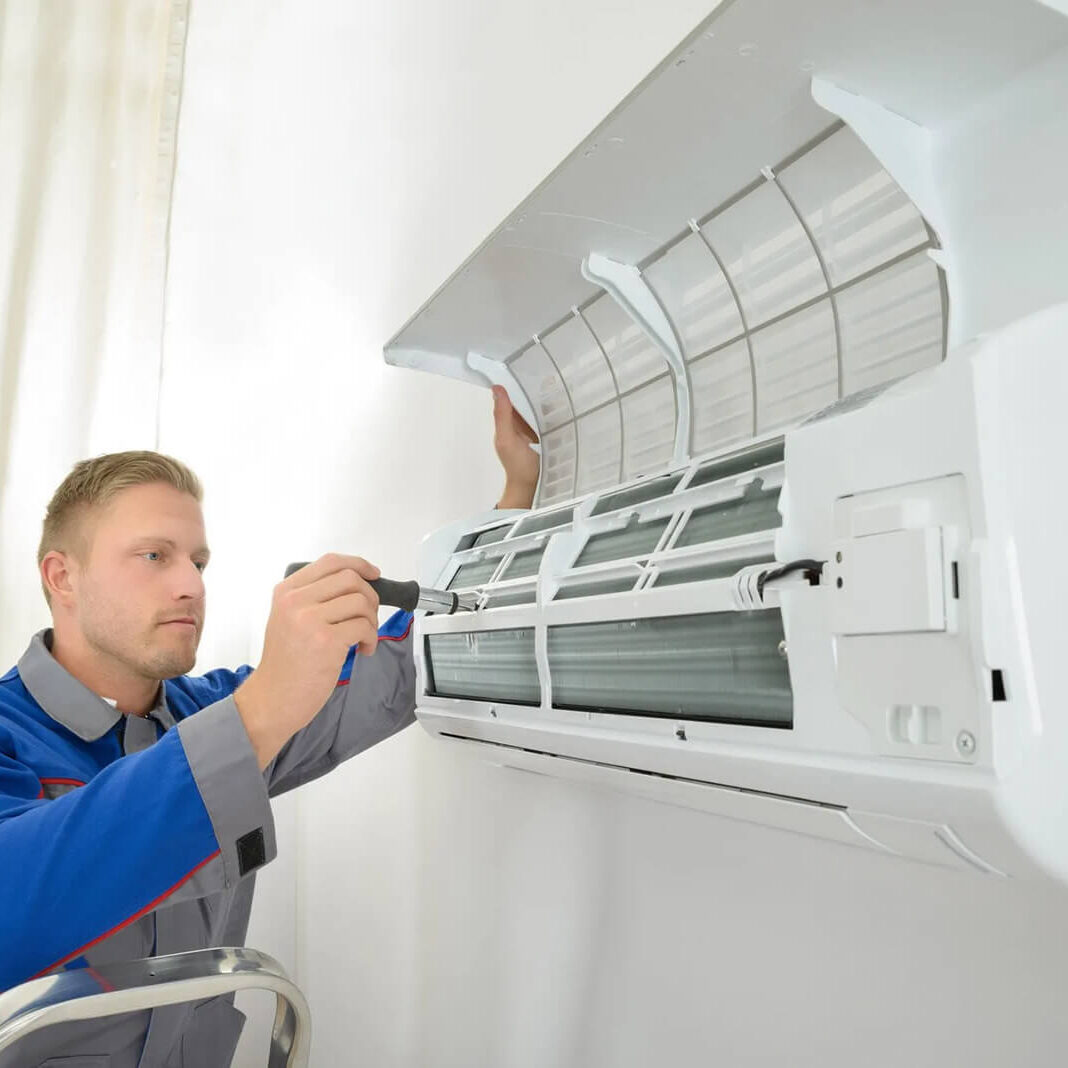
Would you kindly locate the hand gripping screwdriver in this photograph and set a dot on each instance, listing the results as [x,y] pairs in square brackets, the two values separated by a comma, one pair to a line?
[410,595]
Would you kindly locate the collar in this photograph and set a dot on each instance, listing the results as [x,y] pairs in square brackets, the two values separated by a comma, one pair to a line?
[69,702]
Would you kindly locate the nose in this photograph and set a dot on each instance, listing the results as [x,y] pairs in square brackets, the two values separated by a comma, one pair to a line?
[188,582]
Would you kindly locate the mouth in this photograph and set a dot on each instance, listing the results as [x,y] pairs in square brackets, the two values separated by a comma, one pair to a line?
[191,624]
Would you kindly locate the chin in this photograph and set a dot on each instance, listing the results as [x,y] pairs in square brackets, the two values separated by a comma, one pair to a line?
[179,671]
[170,665]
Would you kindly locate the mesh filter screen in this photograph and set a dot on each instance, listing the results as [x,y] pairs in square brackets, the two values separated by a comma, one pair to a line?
[474,574]
[756,510]
[635,539]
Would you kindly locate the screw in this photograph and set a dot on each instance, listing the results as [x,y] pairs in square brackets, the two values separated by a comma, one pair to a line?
[838,557]
[840,583]
[782,649]
[966,743]
[493,712]
[680,733]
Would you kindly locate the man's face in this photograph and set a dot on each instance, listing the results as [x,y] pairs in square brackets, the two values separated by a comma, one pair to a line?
[139,593]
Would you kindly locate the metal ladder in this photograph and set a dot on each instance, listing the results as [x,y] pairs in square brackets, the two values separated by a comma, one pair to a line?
[132,986]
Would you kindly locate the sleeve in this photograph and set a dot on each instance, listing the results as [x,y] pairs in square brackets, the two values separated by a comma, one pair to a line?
[186,817]
[374,698]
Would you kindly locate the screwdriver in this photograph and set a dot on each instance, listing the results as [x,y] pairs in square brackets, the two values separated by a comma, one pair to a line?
[410,595]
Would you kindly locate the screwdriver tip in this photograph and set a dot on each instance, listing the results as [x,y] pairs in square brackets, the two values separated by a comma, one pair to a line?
[468,602]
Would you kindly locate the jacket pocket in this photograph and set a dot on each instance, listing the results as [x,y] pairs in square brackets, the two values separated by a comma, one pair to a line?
[210,1039]
[102,1060]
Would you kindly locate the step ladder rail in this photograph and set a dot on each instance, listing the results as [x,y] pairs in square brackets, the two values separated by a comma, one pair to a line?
[132,986]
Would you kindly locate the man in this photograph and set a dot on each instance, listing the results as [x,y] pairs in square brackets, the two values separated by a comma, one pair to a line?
[134,800]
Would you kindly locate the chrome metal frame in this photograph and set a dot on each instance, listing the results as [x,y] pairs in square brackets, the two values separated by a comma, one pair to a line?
[131,986]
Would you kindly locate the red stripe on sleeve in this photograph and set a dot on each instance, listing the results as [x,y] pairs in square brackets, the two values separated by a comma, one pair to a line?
[104,983]
[125,923]
[387,638]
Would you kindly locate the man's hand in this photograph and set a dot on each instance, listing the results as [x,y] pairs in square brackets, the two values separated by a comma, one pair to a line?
[512,438]
[317,614]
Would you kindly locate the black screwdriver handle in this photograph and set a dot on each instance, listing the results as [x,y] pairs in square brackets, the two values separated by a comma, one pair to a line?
[394,594]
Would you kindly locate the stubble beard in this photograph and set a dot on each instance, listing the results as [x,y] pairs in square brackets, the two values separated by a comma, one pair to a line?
[140,654]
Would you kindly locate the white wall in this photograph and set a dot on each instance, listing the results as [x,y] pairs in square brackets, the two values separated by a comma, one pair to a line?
[336,162]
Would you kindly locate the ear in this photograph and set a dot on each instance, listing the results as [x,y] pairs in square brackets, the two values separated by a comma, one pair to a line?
[56,570]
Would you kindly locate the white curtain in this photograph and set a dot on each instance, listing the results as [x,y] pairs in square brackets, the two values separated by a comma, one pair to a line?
[89,100]
[90,92]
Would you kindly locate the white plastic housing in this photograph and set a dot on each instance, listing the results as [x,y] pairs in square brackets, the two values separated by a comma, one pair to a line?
[951,571]
[832,225]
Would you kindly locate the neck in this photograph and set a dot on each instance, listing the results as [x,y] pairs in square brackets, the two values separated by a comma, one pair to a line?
[133,694]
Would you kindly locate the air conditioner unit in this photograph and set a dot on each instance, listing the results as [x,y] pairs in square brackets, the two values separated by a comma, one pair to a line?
[791,326]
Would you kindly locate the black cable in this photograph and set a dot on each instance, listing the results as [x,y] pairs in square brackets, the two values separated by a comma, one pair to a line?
[811,569]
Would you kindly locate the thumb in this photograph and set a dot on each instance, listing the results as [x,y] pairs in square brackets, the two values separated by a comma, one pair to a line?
[502,407]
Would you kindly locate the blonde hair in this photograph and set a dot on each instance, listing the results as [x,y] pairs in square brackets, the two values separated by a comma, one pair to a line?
[93,483]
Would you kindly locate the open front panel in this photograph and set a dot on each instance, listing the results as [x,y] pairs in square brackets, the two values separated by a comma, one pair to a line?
[807,285]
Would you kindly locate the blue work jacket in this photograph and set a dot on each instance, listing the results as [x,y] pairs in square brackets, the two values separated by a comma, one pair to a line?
[123,837]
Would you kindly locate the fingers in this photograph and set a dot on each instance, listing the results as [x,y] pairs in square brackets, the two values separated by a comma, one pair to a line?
[502,409]
[507,420]
[346,601]
[360,631]
[351,606]
[331,564]
[523,428]
[336,585]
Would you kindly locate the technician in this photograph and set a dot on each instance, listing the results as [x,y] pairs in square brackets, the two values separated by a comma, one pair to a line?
[134,799]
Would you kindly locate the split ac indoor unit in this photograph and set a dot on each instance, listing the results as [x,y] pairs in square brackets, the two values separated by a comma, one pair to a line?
[791,325]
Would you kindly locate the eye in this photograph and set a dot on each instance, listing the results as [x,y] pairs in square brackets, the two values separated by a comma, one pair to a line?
[201,565]
[153,552]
